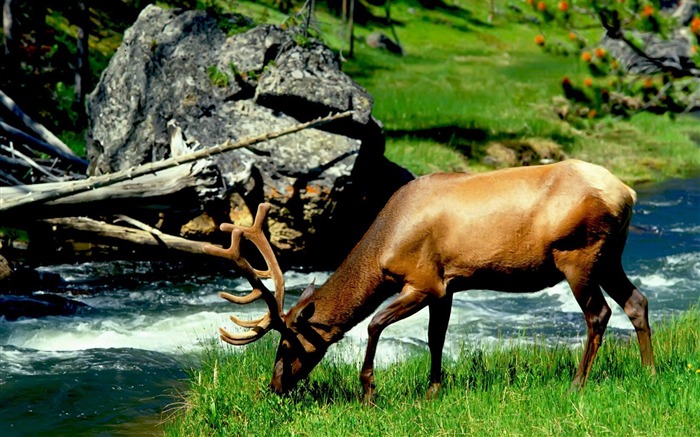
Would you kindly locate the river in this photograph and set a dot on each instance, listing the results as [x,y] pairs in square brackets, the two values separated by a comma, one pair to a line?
[113,368]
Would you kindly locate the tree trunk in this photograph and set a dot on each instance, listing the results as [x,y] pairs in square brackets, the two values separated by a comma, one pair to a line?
[351,17]
[7,22]
[82,68]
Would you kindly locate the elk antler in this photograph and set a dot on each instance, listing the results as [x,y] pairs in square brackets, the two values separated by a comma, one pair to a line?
[275,303]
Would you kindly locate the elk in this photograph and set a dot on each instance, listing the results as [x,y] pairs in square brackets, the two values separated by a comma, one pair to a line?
[515,230]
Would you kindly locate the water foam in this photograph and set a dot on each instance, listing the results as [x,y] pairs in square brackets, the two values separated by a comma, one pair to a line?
[180,317]
[166,334]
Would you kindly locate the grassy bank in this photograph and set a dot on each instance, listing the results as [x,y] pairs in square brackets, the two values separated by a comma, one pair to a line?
[488,82]
[513,390]
[466,83]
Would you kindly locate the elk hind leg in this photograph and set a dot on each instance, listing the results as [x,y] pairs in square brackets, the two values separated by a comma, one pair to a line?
[616,283]
[437,329]
[596,313]
[578,268]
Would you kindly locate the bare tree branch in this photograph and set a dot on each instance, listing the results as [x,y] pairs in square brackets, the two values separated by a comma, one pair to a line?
[110,233]
[613,26]
[39,129]
[92,183]
[30,162]
[41,146]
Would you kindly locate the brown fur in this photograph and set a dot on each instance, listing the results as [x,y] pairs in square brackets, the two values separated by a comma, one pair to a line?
[514,230]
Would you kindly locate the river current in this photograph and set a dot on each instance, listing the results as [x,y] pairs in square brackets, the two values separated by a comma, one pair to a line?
[113,368]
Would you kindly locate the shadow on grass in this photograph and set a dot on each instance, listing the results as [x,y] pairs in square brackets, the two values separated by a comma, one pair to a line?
[443,134]
[465,140]
[452,10]
[326,393]
[469,141]
[367,64]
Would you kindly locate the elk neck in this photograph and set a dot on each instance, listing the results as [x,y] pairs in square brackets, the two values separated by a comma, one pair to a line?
[351,293]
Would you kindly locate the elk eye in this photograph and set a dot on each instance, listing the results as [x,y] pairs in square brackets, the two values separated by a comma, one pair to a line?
[307,312]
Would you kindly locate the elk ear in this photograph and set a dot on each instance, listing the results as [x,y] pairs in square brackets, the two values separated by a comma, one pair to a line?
[308,291]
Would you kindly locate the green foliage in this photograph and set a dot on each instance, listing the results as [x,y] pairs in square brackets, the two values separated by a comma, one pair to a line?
[610,90]
[228,20]
[217,77]
[302,40]
[490,83]
[232,24]
[251,75]
[75,140]
[512,388]
[216,7]
[65,98]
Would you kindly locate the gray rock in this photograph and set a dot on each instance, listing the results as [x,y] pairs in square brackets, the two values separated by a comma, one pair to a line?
[671,52]
[38,305]
[307,82]
[180,67]
[378,40]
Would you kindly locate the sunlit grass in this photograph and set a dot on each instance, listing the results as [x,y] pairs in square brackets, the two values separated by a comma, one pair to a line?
[461,71]
[513,389]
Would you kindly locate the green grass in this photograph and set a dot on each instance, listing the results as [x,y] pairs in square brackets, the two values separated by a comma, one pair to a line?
[74,140]
[485,82]
[513,389]
[493,81]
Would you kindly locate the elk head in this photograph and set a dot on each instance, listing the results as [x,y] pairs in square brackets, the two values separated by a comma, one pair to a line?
[301,345]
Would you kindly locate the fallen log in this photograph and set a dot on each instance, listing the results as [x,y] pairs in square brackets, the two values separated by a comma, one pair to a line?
[55,145]
[23,197]
[109,233]
[181,187]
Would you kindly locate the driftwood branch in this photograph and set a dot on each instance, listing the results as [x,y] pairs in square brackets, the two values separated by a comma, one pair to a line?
[106,232]
[54,144]
[41,146]
[138,225]
[32,197]
[30,162]
[7,177]
[148,190]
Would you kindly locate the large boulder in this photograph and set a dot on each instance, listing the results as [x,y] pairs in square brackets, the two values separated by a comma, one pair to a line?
[217,81]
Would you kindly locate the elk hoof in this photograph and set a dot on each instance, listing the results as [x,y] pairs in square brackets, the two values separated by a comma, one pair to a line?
[576,386]
[433,391]
[370,397]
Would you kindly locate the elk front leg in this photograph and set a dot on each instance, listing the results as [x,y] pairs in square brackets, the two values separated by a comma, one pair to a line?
[437,329]
[407,303]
